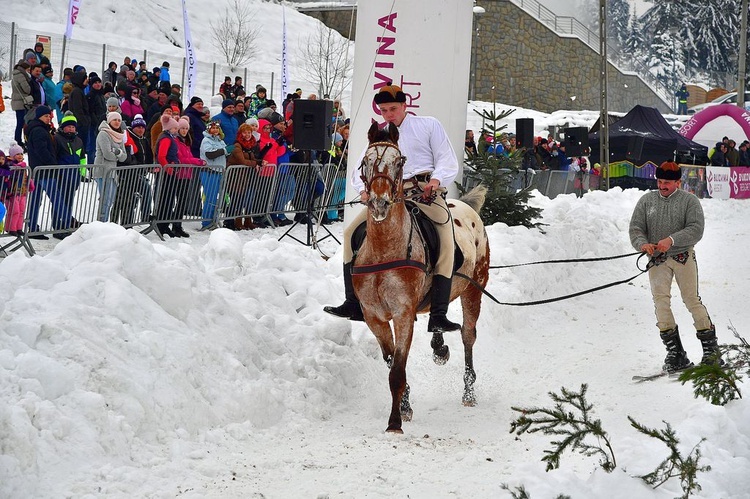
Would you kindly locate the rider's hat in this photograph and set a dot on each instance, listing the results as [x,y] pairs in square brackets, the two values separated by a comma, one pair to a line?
[390,93]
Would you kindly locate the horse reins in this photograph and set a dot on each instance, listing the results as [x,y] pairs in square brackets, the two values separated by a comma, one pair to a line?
[398,197]
[652,262]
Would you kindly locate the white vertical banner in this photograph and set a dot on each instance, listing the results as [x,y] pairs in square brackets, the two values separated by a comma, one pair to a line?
[190,57]
[425,51]
[74,6]
[284,60]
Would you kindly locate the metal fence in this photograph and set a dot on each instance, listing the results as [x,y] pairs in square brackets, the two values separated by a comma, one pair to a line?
[56,200]
[550,183]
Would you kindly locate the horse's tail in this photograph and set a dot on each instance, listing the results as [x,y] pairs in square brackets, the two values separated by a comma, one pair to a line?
[475,197]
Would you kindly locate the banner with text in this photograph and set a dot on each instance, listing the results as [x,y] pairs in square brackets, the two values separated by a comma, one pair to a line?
[729,182]
[425,51]
[284,60]
[191,62]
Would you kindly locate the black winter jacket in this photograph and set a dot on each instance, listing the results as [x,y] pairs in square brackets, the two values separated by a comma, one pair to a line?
[40,144]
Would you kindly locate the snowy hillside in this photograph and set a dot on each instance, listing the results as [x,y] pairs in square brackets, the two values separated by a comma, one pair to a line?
[156,26]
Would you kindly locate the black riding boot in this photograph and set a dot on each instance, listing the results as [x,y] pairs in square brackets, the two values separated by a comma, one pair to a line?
[711,353]
[350,309]
[441,296]
[676,359]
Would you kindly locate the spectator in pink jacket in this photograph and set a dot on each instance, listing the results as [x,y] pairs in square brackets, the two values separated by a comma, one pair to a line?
[184,173]
[270,149]
[131,104]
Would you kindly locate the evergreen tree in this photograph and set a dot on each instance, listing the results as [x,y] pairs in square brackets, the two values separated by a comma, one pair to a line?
[705,35]
[618,18]
[497,171]
[715,26]
[636,41]
[660,60]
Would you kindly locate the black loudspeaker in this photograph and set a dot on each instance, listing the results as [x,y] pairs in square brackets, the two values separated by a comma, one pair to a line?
[525,132]
[635,148]
[312,121]
[576,141]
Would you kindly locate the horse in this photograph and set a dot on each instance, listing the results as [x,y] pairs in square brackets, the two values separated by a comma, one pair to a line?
[399,292]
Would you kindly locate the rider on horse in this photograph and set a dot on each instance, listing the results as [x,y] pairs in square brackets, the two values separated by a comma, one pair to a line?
[430,167]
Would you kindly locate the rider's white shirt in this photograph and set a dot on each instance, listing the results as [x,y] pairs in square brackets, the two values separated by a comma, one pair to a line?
[422,139]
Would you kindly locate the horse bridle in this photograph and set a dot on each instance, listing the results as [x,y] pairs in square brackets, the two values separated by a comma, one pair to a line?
[396,182]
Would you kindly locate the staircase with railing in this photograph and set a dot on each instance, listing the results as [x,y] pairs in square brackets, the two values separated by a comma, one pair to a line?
[571,26]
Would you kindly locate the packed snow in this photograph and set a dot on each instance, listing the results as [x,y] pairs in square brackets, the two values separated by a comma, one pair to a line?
[205,367]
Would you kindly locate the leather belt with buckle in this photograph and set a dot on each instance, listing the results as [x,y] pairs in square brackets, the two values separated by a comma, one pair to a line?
[422,177]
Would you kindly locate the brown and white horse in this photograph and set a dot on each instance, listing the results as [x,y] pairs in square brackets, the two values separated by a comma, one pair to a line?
[395,291]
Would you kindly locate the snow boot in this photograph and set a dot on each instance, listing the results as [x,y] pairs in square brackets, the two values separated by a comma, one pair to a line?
[351,308]
[178,231]
[676,359]
[441,296]
[711,352]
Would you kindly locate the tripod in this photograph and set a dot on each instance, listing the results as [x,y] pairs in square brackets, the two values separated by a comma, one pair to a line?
[309,212]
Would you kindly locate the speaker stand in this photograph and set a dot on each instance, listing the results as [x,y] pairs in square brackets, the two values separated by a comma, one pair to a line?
[309,212]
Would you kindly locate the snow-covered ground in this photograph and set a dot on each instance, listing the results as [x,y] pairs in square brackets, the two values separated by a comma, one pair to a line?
[205,367]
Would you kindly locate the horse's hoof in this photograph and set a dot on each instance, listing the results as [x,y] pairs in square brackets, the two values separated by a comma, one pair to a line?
[469,399]
[441,355]
[407,415]
[395,430]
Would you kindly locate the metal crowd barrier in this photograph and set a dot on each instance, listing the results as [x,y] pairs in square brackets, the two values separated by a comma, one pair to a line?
[552,183]
[521,180]
[150,198]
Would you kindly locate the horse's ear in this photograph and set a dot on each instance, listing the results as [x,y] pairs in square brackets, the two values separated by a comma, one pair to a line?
[372,133]
[393,133]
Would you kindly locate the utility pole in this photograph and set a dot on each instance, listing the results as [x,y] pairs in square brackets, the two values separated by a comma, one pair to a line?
[603,112]
[743,56]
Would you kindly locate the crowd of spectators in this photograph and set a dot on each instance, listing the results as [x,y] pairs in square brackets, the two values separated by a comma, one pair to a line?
[133,115]
[726,153]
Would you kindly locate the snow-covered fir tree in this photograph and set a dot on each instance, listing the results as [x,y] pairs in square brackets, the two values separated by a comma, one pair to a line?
[716,26]
[635,43]
[618,18]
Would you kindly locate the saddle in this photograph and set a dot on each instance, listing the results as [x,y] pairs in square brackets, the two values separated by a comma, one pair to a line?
[428,235]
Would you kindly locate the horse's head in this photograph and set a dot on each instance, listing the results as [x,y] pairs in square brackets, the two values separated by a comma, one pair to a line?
[382,170]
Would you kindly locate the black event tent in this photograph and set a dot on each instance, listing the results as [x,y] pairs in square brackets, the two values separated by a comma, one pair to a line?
[660,141]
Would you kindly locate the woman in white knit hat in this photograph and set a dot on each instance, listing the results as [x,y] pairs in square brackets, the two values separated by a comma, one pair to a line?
[110,148]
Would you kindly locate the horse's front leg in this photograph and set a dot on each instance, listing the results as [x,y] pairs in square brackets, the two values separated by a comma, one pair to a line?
[470,303]
[403,330]
[440,351]
[406,410]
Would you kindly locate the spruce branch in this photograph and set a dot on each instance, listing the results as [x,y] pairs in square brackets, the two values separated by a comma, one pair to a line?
[675,465]
[715,383]
[576,427]
[720,384]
